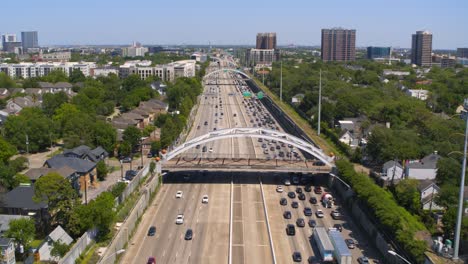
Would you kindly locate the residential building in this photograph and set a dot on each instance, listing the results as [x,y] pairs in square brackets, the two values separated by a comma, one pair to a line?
[5,38]
[85,169]
[378,52]
[297,99]
[338,44]
[428,190]
[29,40]
[262,56]
[68,173]
[4,93]
[16,104]
[266,41]
[421,48]
[197,56]
[465,198]
[141,116]
[418,93]
[424,169]
[104,72]
[462,53]
[55,56]
[19,201]
[392,170]
[5,221]
[58,235]
[39,69]
[7,251]
[396,73]
[13,47]
[348,138]
[167,72]
[448,62]
[86,153]
[136,50]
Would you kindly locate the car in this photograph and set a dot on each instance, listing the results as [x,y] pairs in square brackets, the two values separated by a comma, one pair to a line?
[298,190]
[294,204]
[279,188]
[204,199]
[149,155]
[204,149]
[292,195]
[206,123]
[179,194]
[297,256]
[350,243]
[287,182]
[318,163]
[287,215]
[188,234]
[312,223]
[283,201]
[318,190]
[338,227]
[363,260]
[151,260]
[180,219]
[313,260]
[336,215]
[290,230]
[319,214]
[301,196]
[313,200]
[152,231]
[130,174]
[211,149]
[307,211]
[307,188]
[300,222]
[126,160]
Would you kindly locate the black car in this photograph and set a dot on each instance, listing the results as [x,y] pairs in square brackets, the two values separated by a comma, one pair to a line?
[292,195]
[126,159]
[290,230]
[307,188]
[313,200]
[287,215]
[294,204]
[152,231]
[299,190]
[312,223]
[307,211]
[318,190]
[204,149]
[149,155]
[301,196]
[300,222]
[283,201]
[188,234]
[338,227]
[318,163]
[297,256]
[130,174]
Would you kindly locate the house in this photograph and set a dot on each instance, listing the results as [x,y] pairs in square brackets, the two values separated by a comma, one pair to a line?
[424,169]
[6,219]
[7,251]
[58,235]
[15,105]
[85,169]
[392,170]
[348,124]
[465,198]
[418,93]
[428,190]
[3,117]
[68,173]
[348,138]
[86,153]
[19,201]
[4,93]
[297,99]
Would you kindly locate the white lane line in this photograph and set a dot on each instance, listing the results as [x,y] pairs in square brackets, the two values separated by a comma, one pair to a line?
[230,224]
[268,223]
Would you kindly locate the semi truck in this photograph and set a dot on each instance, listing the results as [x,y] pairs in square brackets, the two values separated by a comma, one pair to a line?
[324,244]
[341,252]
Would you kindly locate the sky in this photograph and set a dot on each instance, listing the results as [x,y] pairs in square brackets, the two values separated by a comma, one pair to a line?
[178,22]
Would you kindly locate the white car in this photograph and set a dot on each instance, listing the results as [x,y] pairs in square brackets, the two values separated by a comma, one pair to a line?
[178,194]
[205,199]
[287,182]
[279,188]
[319,214]
[180,219]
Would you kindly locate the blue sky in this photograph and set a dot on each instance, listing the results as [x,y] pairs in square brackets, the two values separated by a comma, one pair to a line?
[386,23]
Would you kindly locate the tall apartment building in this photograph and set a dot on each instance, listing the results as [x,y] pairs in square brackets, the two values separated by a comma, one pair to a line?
[134,51]
[462,52]
[266,40]
[421,48]
[338,44]
[29,40]
[378,52]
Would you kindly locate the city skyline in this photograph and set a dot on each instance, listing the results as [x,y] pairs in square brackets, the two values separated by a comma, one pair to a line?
[188,23]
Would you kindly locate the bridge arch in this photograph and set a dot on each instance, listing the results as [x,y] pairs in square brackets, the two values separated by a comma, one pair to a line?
[227,69]
[252,133]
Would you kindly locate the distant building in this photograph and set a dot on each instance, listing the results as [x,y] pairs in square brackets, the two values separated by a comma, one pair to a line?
[462,52]
[39,69]
[262,56]
[421,48]
[166,72]
[392,170]
[201,57]
[448,62]
[56,56]
[338,44]
[104,72]
[58,235]
[29,40]
[7,251]
[378,52]
[13,47]
[428,190]
[418,93]
[266,41]
[136,50]
[424,169]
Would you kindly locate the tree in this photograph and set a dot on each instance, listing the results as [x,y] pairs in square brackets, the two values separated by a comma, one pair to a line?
[21,178]
[152,167]
[31,83]
[133,81]
[7,176]
[51,102]
[6,81]
[22,231]
[125,149]
[102,213]
[104,135]
[59,249]
[18,164]
[56,76]
[59,195]
[132,135]
[76,76]
[155,147]
[407,195]
[448,171]
[6,150]
[101,170]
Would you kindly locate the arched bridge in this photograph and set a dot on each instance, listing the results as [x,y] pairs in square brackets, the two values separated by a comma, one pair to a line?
[224,70]
[230,164]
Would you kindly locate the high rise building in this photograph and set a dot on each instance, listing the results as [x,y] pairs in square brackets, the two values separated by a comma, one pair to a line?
[462,52]
[378,52]
[338,44]
[29,40]
[9,38]
[266,41]
[421,48]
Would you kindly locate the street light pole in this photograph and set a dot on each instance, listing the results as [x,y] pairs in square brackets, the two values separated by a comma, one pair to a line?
[281,82]
[319,103]
[396,254]
[462,185]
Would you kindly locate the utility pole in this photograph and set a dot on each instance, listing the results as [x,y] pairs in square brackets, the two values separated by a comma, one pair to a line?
[281,82]
[319,103]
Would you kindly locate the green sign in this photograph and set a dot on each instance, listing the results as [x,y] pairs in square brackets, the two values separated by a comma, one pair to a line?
[260,95]
[246,94]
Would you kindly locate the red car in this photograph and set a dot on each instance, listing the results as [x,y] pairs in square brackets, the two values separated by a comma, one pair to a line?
[151,260]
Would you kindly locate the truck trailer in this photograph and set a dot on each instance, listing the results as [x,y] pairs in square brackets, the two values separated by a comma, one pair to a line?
[341,252]
[324,244]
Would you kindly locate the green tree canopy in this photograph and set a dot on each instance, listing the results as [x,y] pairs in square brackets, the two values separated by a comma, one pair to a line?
[132,135]
[6,150]
[56,76]
[22,231]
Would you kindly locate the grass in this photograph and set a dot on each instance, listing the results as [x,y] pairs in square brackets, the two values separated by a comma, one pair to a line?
[89,255]
[124,210]
[36,243]
[54,153]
